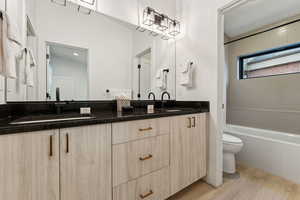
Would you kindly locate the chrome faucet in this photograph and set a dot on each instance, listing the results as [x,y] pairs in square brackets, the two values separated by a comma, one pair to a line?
[151,94]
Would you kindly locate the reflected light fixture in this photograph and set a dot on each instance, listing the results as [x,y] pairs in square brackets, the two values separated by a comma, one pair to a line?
[90,2]
[60,2]
[76,54]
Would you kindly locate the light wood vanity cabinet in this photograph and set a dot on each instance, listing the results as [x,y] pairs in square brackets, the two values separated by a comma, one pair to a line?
[141,159]
[29,166]
[137,160]
[85,163]
[188,150]
[64,164]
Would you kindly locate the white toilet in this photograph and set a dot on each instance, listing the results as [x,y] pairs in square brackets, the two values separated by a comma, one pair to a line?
[231,146]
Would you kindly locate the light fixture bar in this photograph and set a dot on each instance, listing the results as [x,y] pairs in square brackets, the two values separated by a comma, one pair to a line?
[161,21]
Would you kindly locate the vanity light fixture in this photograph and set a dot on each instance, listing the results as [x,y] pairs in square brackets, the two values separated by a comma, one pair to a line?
[161,22]
[153,33]
[165,37]
[140,29]
[149,16]
[174,27]
[60,2]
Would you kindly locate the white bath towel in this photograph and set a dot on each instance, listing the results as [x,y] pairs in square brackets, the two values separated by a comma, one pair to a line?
[186,74]
[10,45]
[161,79]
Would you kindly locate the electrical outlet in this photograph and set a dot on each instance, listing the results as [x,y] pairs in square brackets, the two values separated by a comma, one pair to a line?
[86,110]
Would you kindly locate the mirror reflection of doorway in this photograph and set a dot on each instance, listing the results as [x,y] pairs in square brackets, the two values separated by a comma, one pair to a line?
[144,81]
[67,70]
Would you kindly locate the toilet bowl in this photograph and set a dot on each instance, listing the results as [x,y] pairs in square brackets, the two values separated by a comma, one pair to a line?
[231,146]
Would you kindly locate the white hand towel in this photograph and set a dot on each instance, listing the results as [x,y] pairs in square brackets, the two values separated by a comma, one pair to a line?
[186,74]
[9,46]
[161,79]
[29,68]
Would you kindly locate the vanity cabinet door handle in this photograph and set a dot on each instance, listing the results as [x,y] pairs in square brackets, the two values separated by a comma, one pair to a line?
[190,123]
[194,122]
[143,196]
[51,146]
[145,129]
[146,158]
[67,143]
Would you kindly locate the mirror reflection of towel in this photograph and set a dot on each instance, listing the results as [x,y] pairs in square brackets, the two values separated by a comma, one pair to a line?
[161,79]
[30,63]
[10,44]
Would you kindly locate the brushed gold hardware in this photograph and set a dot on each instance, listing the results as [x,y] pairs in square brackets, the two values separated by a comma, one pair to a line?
[51,146]
[67,143]
[190,123]
[146,158]
[194,122]
[145,129]
[146,195]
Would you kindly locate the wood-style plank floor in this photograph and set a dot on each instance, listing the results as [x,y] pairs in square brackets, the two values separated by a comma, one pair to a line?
[253,184]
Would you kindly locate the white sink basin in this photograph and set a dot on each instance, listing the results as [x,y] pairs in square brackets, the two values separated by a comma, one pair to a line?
[51,120]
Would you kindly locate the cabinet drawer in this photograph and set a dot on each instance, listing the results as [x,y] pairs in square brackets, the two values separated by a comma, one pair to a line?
[135,159]
[134,130]
[154,186]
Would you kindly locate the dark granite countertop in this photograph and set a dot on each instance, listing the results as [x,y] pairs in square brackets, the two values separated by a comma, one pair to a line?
[99,117]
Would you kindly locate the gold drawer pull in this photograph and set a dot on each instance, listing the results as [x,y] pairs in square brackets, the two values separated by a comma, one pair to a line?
[146,158]
[146,195]
[190,122]
[145,129]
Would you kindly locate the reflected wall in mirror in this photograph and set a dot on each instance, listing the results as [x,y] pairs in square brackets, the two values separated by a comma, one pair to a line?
[112,51]
[262,53]
[67,71]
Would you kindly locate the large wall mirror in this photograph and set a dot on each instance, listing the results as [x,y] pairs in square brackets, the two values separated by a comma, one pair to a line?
[89,56]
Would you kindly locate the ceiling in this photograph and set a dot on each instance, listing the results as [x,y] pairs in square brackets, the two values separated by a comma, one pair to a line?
[68,52]
[255,14]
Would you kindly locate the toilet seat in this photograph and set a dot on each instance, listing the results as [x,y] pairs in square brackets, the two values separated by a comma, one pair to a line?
[229,139]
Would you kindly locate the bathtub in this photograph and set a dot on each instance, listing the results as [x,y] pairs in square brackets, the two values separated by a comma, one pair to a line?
[275,152]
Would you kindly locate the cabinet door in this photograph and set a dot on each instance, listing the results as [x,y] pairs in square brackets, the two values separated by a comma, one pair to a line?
[86,163]
[180,153]
[188,150]
[198,147]
[29,167]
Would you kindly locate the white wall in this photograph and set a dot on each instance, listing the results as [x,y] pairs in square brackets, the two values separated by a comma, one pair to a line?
[199,43]
[108,42]
[73,71]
